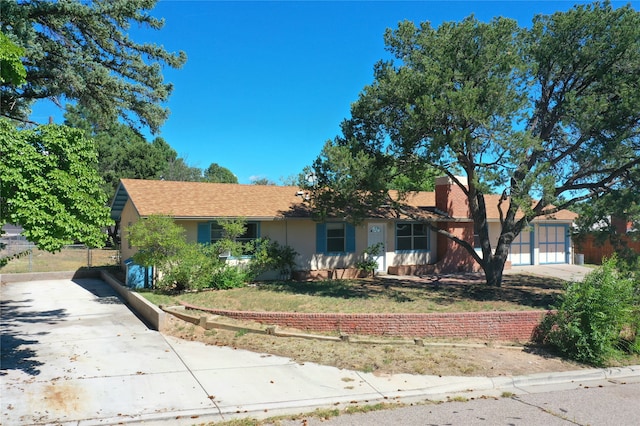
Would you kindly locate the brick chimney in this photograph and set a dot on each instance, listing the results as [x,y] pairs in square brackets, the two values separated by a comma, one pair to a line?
[450,198]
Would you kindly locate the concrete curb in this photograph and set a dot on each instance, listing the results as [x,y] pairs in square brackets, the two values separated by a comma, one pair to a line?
[154,316]
[545,379]
[448,388]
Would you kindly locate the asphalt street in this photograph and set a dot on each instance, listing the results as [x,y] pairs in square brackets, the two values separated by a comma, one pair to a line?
[598,403]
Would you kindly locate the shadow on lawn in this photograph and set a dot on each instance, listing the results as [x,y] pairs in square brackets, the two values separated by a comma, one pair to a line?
[523,290]
[341,289]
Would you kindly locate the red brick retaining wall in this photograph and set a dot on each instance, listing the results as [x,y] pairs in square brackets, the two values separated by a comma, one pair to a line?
[506,326]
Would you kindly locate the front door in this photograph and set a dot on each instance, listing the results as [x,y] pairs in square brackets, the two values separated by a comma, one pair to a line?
[376,235]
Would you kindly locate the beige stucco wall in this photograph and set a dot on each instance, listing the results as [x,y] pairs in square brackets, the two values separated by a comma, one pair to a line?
[128,217]
[191,229]
[301,235]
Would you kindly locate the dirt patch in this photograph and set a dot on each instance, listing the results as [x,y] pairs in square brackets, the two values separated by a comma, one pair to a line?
[445,358]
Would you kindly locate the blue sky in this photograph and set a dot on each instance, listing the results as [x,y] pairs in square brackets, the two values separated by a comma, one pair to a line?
[267,83]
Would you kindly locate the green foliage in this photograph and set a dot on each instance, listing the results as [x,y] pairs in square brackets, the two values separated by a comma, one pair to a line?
[548,112]
[596,317]
[178,265]
[11,69]
[283,259]
[229,276]
[232,229]
[81,51]
[178,170]
[191,268]
[157,239]
[368,262]
[49,186]
[595,218]
[217,173]
[347,180]
[269,255]
[227,263]
[124,153]
[262,181]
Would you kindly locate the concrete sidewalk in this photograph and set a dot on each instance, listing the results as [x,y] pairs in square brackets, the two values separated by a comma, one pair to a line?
[72,353]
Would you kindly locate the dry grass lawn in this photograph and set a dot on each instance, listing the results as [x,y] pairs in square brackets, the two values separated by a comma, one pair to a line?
[68,259]
[454,293]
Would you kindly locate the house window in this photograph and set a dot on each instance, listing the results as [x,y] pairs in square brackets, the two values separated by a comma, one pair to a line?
[216,232]
[250,234]
[335,238]
[211,232]
[412,236]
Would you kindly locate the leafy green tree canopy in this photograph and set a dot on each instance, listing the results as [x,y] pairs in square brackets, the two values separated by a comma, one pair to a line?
[49,185]
[122,151]
[262,181]
[157,239]
[217,173]
[547,116]
[11,69]
[81,51]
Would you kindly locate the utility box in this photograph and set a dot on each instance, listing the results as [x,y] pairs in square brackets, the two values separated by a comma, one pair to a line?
[138,276]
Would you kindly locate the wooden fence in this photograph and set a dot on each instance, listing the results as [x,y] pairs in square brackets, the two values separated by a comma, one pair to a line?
[594,251]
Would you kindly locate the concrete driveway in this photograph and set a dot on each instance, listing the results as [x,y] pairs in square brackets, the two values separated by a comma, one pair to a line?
[72,351]
[563,271]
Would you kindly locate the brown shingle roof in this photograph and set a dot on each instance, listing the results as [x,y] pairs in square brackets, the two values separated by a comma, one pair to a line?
[211,200]
[492,201]
[217,200]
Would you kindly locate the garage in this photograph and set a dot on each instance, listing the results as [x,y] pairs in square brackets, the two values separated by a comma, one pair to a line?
[521,249]
[553,243]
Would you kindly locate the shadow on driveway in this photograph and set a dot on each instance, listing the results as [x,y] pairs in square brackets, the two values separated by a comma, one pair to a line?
[17,350]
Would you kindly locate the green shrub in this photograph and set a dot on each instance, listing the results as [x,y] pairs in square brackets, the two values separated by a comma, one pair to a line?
[268,255]
[181,266]
[191,268]
[596,318]
[368,263]
[228,276]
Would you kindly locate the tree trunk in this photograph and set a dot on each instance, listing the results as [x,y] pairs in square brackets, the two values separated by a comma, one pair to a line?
[493,269]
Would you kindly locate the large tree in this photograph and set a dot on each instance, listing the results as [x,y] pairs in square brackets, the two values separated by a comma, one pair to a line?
[81,51]
[50,186]
[217,173]
[11,69]
[547,116]
[122,151]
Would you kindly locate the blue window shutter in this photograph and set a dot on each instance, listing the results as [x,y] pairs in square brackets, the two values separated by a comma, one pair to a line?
[321,238]
[350,243]
[204,233]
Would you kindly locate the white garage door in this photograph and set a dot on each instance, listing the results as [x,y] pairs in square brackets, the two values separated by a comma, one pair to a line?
[553,241]
[520,253]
